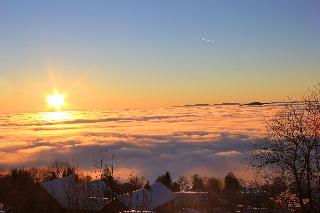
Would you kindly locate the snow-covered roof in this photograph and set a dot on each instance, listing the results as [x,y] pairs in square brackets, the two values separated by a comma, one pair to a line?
[71,194]
[147,199]
[160,194]
[58,188]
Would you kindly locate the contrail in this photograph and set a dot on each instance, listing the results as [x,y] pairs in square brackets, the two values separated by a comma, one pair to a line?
[207,40]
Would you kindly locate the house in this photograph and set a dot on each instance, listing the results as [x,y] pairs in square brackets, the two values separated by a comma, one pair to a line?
[158,198]
[191,200]
[114,206]
[71,194]
[33,198]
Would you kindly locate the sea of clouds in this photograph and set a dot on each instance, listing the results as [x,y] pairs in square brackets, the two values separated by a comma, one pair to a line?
[209,140]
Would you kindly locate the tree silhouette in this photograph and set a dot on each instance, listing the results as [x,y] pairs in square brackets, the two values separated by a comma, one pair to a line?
[165,179]
[291,146]
[231,190]
[214,185]
[197,183]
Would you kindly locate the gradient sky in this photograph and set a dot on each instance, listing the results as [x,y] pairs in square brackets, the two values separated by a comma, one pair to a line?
[109,54]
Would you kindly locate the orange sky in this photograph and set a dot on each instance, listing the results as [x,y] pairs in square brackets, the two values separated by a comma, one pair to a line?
[82,92]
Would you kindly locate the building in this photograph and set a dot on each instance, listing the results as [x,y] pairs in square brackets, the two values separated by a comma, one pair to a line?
[191,200]
[158,198]
[70,194]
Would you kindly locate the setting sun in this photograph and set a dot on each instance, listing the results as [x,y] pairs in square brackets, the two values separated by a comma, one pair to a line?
[55,100]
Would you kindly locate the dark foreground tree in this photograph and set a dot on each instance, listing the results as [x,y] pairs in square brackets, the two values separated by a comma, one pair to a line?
[136,182]
[197,183]
[165,179]
[231,190]
[291,148]
[214,185]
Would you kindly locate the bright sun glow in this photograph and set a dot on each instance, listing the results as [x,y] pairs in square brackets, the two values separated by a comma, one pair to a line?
[56,116]
[55,100]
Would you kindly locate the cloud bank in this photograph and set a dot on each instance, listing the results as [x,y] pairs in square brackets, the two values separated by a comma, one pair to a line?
[209,140]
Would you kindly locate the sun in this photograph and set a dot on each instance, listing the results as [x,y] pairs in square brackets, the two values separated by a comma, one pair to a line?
[55,100]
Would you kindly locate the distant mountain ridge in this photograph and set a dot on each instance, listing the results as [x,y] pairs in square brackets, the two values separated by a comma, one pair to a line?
[254,103]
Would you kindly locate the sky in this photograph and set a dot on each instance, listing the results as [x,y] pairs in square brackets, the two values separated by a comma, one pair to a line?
[144,53]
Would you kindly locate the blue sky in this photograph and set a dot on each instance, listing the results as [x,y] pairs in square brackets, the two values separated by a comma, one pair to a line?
[151,52]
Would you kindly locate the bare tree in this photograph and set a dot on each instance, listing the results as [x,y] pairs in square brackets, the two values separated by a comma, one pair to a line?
[60,169]
[291,146]
[183,183]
